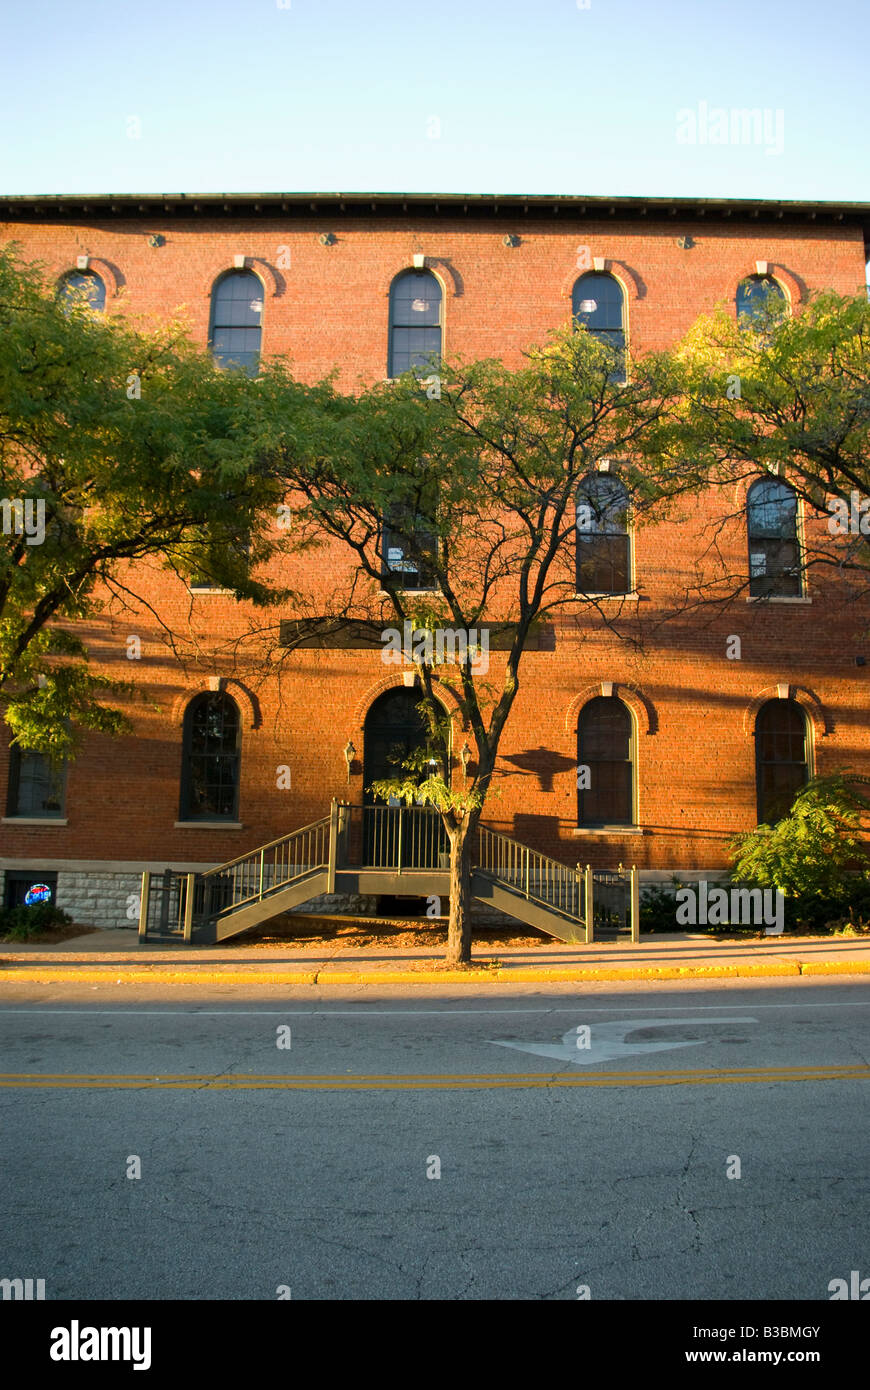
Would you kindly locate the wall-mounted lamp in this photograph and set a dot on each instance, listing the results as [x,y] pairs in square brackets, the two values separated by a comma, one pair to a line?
[349,755]
[327,238]
[465,757]
[156,239]
[511,239]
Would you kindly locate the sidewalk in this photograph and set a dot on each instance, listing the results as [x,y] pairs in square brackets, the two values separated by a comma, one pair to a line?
[116,956]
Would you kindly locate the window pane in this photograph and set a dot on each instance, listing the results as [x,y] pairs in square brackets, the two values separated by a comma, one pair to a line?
[416,300]
[84,285]
[603,563]
[37,787]
[758,298]
[781,758]
[597,303]
[408,547]
[413,348]
[604,745]
[236,321]
[415,322]
[211,758]
[774,554]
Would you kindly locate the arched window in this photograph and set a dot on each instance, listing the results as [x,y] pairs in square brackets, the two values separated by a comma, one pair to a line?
[603,557]
[598,305]
[84,286]
[774,552]
[781,768]
[605,747]
[37,787]
[760,300]
[236,321]
[415,321]
[211,759]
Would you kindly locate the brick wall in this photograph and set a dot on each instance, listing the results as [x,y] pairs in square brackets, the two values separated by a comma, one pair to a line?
[693,707]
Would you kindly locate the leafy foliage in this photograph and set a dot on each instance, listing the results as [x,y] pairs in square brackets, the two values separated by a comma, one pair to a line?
[20,923]
[811,852]
[788,395]
[127,444]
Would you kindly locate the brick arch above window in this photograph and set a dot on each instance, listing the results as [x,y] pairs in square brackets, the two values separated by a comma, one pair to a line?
[441,692]
[644,712]
[443,272]
[818,715]
[253,266]
[793,288]
[249,707]
[627,279]
[109,274]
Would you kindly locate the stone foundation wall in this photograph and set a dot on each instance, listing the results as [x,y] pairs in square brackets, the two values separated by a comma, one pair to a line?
[103,900]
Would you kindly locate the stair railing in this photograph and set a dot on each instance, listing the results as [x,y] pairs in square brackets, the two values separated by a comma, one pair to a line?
[536,876]
[258,874]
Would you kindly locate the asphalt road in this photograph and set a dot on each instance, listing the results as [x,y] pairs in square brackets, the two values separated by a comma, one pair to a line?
[312,1168]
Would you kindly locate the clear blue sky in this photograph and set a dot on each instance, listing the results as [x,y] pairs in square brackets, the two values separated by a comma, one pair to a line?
[477,96]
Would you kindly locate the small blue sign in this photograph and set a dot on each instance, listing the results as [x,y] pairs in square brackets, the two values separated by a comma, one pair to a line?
[37,893]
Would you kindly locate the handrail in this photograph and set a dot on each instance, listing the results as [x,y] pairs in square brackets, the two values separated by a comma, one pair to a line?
[261,849]
[262,871]
[537,876]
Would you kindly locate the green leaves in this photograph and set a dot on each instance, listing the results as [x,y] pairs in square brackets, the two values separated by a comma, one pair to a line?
[133,445]
[813,849]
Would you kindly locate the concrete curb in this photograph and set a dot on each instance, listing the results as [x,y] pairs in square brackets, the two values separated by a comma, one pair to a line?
[18,973]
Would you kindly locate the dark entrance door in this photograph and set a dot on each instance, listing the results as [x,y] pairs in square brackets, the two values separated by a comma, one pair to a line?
[395,835]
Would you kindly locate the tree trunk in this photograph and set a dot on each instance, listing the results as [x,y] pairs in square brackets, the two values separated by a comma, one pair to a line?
[459,925]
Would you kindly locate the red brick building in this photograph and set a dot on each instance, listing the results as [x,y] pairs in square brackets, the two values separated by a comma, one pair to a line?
[690,740]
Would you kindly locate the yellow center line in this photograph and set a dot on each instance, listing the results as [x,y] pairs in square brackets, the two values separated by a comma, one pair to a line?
[425,1081]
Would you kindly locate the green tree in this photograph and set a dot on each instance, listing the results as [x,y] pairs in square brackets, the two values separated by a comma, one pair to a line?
[116,443]
[786,394]
[475,474]
[815,849]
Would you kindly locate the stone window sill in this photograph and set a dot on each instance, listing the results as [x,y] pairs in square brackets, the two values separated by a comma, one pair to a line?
[33,820]
[384,593]
[621,598]
[208,825]
[774,598]
[608,830]
[208,590]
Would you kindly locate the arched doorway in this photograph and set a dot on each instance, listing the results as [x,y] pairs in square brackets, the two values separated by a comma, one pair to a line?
[395,835]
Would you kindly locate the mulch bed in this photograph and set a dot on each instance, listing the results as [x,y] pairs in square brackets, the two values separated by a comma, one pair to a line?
[388,933]
[52,935]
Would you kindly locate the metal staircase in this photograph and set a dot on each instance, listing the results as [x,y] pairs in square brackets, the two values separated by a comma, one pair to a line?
[390,850]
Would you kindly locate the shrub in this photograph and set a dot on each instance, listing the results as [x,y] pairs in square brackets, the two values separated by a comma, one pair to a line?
[813,851]
[20,923]
[658,908]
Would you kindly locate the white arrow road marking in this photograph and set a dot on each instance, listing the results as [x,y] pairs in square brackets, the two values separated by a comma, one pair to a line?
[608,1041]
